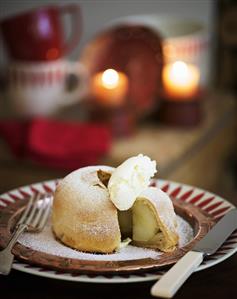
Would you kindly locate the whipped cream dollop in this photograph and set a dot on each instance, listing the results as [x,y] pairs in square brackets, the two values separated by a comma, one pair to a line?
[129,179]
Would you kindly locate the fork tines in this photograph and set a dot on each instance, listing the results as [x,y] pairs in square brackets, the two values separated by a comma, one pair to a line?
[36,212]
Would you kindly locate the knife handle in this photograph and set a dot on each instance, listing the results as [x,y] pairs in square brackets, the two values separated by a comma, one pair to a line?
[170,282]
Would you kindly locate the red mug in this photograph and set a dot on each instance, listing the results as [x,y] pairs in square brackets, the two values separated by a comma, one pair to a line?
[38,35]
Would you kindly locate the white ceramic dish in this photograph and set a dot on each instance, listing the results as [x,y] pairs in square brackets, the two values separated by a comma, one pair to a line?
[210,203]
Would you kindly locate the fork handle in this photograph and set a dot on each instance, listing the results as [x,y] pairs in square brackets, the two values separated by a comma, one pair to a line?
[6,256]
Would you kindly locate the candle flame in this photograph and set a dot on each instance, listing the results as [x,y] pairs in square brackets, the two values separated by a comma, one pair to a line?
[179,73]
[181,80]
[110,78]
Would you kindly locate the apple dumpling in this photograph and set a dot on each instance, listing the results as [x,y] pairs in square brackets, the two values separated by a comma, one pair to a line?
[95,205]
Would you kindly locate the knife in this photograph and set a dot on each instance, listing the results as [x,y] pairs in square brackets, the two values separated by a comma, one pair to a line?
[170,282]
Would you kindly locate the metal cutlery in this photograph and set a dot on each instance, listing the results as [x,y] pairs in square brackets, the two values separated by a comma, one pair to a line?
[172,280]
[33,219]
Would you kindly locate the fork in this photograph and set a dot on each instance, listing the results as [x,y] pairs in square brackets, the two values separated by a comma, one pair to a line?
[33,219]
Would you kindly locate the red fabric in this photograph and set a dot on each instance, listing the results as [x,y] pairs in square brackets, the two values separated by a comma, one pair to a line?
[64,145]
[15,134]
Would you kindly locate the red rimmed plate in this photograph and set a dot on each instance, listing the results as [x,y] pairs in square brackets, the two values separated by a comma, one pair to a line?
[199,207]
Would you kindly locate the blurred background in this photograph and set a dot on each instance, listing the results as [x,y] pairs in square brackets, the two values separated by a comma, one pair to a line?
[97,14]
[95,82]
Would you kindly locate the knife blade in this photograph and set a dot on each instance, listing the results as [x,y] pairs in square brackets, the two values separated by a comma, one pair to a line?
[218,234]
[170,282]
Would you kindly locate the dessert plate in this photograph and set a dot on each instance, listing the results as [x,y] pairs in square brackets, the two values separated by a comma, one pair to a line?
[200,208]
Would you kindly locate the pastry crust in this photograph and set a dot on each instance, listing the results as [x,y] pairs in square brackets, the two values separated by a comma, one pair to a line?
[83,216]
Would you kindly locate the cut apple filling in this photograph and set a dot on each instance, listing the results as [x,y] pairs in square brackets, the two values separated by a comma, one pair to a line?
[143,225]
[125,223]
[154,221]
[147,229]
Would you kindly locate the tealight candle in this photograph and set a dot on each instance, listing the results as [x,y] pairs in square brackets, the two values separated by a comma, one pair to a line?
[180,80]
[110,87]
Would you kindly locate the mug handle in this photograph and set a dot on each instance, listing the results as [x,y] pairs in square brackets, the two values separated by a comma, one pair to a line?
[76,25]
[78,87]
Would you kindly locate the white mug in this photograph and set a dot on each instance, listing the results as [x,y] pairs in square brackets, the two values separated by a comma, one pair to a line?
[42,88]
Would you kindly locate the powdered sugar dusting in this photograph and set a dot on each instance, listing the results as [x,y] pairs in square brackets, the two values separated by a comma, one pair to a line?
[83,181]
[46,242]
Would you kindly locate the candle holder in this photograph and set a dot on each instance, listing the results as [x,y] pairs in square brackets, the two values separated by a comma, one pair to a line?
[183,113]
[110,104]
[120,119]
[181,103]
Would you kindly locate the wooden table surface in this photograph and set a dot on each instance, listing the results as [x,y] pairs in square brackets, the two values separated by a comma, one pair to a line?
[217,282]
[181,153]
